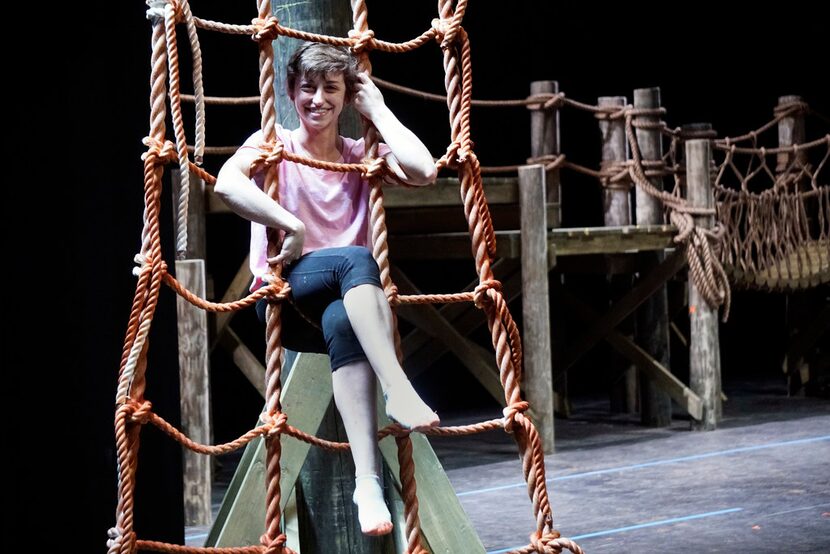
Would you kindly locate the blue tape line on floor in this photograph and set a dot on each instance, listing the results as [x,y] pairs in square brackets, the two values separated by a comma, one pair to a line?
[633,527]
[654,463]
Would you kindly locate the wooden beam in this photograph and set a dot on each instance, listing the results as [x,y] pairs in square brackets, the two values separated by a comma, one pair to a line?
[662,377]
[444,523]
[536,303]
[446,192]
[305,397]
[652,331]
[244,359]
[194,383]
[427,317]
[704,344]
[564,242]
[236,290]
[642,290]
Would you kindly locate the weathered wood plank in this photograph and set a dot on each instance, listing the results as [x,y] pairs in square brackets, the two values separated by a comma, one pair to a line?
[427,317]
[535,303]
[196,237]
[564,242]
[444,523]
[704,347]
[305,397]
[236,290]
[194,383]
[446,192]
[244,359]
[652,317]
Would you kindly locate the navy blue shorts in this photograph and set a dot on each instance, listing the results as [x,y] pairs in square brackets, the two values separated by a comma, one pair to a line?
[315,319]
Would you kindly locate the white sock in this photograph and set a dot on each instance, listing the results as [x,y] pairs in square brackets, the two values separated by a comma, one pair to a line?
[371,507]
[405,406]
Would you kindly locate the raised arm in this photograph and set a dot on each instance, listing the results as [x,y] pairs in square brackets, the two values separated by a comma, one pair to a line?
[235,188]
[410,160]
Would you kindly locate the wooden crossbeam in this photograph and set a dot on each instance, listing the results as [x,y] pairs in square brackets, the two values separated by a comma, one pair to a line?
[662,376]
[565,242]
[476,359]
[626,305]
[240,283]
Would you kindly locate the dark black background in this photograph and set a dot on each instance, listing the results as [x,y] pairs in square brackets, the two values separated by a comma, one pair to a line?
[728,70]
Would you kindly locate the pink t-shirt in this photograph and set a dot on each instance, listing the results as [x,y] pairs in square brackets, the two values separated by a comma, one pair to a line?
[334,206]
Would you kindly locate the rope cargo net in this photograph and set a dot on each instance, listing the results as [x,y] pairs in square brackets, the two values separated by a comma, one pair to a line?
[133,410]
[776,221]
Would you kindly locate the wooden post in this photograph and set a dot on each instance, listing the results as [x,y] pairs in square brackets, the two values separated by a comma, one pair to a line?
[194,363]
[616,204]
[328,17]
[653,316]
[704,347]
[798,305]
[544,141]
[538,379]
[791,131]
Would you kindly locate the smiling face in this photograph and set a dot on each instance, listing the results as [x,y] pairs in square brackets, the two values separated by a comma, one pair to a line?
[319,99]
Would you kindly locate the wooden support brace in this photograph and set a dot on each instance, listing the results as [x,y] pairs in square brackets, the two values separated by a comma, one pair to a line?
[662,377]
[674,262]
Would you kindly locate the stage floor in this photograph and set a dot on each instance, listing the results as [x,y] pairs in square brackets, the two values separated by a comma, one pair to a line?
[760,483]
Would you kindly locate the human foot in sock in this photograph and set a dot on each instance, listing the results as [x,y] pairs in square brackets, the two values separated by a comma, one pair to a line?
[371,508]
[404,406]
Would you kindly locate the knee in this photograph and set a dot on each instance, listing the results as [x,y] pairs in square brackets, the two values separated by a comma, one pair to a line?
[358,268]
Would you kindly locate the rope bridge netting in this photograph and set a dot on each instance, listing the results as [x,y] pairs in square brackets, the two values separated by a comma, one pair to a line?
[133,410]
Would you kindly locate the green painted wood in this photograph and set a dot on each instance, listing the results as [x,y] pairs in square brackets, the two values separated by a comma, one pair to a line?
[445,526]
[305,397]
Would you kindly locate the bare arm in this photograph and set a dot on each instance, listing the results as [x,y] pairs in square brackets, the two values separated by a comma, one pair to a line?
[234,187]
[409,160]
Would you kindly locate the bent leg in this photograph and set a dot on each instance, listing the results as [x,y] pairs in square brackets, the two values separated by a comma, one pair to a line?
[371,320]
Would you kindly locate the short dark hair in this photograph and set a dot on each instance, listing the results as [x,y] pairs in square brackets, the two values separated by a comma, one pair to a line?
[313,59]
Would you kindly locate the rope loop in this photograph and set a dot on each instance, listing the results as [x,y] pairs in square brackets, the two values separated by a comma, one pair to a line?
[511,412]
[265,29]
[275,423]
[545,544]
[139,412]
[363,40]
[481,291]
[270,155]
[118,537]
[141,265]
[275,545]
[791,108]
[159,152]
[392,296]
[374,167]
[440,26]
[545,101]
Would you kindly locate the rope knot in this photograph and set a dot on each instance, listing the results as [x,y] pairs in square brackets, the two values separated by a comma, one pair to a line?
[275,424]
[274,545]
[140,412]
[155,12]
[545,544]
[270,155]
[363,40]
[164,152]
[440,27]
[372,168]
[141,264]
[392,296]
[117,537]
[265,29]
[481,291]
[511,412]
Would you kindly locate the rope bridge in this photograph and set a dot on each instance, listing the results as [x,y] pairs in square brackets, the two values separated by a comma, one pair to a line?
[133,410]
